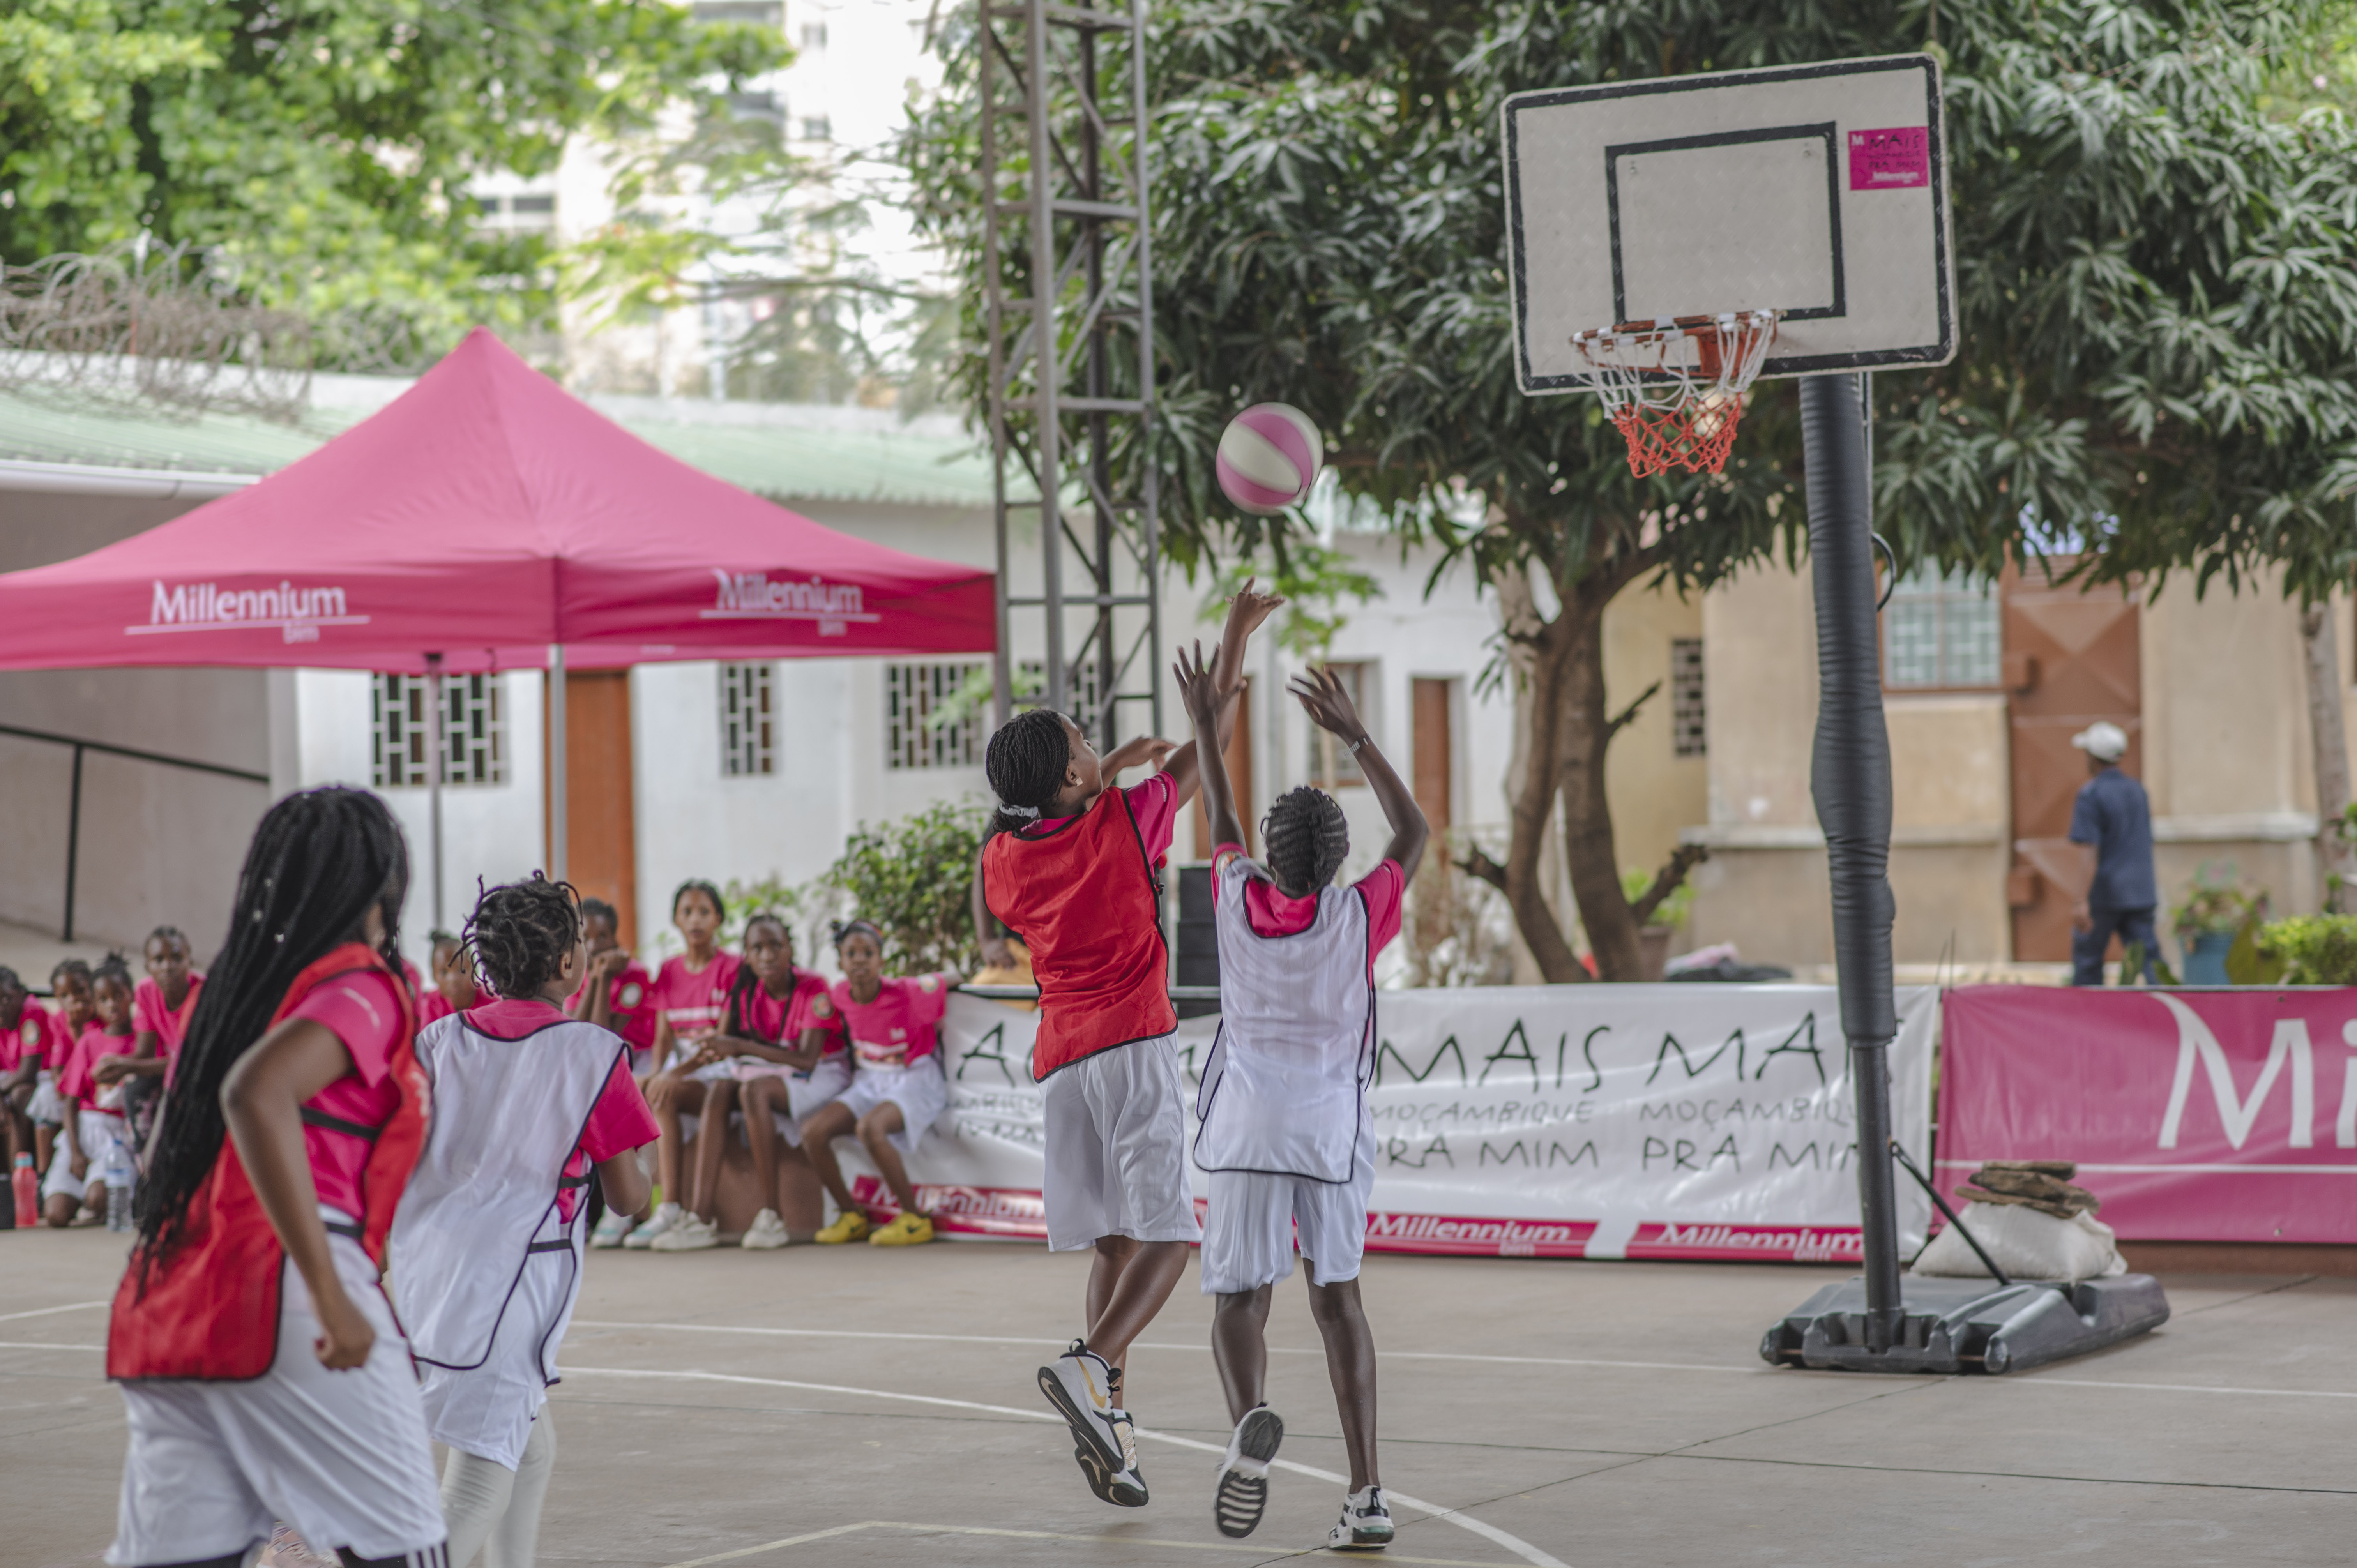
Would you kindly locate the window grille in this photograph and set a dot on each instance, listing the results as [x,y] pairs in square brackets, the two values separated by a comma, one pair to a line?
[474,731]
[934,715]
[1941,629]
[818,128]
[748,720]
[1688,735]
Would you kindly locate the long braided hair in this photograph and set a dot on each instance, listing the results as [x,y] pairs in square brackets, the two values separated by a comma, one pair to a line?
[733,1021]
[1024,762]
[1305,838]
[318,862]
[519,932]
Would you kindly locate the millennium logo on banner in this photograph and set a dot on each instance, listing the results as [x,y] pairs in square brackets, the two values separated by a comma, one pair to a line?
[755,595]
[297,614]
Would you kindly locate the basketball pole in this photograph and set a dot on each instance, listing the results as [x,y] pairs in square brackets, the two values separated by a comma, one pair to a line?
[1849,779]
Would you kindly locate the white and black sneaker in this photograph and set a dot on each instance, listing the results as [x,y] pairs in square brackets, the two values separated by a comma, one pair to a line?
[1242,1490]
[1365,1525]
[1086,1393]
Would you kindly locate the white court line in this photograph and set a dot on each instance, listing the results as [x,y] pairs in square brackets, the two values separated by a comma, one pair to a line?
[44,1345]
[1204,1349]
[1260,1551]
[2185,1387]
[1513,1543]
[45,1311]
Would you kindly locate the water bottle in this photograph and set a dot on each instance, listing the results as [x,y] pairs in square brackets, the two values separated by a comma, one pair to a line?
[118,1207]
[25,1184]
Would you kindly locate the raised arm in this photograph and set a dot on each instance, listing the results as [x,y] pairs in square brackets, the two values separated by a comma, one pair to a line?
[1245,613]
[1329,706]
[1204,701]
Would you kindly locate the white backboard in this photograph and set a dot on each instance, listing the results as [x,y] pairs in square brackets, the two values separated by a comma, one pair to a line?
[1816,190]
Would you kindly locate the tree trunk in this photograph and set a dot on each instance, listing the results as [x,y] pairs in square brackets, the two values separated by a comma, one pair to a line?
[2329,743]
[1535,656]
[1589,846]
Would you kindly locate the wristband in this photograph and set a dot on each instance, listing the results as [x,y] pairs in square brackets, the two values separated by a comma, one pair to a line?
[1358,743]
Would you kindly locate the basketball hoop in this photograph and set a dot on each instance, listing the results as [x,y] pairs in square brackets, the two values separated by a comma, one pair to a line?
[1675,387]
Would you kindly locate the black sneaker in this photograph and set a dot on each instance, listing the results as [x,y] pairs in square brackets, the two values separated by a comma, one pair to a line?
[1242,1491]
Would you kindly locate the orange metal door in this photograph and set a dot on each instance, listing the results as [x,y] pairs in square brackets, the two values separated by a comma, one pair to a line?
[2071,658]
[1434,762]
[602,850]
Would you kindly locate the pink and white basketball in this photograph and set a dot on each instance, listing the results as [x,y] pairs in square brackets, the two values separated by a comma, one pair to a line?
[1269,457]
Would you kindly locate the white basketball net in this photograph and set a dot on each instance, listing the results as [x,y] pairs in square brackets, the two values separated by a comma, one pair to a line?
[1675,387]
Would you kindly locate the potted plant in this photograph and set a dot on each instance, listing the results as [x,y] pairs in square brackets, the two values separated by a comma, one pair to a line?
[2213,913]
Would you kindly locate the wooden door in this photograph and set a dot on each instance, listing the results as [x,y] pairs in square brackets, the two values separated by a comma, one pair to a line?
[2070,659]
[1435,761]
[601,851]
[1239,757]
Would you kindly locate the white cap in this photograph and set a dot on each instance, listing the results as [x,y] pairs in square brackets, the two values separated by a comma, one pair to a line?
[2103,741]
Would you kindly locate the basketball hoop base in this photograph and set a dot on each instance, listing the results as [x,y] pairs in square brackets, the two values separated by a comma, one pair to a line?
[1674,388]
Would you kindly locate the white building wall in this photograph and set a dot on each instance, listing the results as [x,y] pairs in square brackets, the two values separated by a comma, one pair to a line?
[494,832]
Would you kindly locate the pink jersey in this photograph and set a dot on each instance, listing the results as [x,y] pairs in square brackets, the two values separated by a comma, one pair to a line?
[692,1001]
[1272,914]
[619,1121]
[901,1026]
[362,1009]
[168,1025]
[784,1020]
[627,1012]
[36,1037]
[74,1080]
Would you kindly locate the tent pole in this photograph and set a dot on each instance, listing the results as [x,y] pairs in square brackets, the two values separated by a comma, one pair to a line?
[434,784]
[557,759]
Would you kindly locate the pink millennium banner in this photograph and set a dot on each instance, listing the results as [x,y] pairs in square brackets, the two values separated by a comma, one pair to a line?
[2194,1115]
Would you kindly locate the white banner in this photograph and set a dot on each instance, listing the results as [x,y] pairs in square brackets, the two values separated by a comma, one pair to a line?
[1681,1121]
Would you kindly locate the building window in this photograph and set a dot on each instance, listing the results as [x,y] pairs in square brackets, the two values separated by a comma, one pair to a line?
[814,37]
[1331,764]
[748,720]
[474,731]
[933,717]
[817,128]
[1688,736]
[1940,629]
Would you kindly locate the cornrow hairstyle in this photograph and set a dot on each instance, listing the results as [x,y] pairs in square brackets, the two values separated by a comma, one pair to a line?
[319,862]
[1026,762]
[733,1023]
[1305,838]
[519,932]
[697,885]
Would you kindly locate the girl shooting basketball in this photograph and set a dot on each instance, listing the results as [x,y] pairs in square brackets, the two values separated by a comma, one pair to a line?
[1071,871]
[262,1371]
[1286,1133]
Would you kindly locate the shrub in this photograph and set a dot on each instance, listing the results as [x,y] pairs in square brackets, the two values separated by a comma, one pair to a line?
[914,878]
[2314,950]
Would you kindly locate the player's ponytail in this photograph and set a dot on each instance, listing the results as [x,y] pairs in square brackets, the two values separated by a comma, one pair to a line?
[1026,762]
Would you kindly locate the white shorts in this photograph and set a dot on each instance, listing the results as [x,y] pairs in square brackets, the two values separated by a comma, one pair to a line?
[104,1146]
[1118,1148]
[921,1092]
[827,1083]
[46,1104]
[1255,1218]
[340,1456]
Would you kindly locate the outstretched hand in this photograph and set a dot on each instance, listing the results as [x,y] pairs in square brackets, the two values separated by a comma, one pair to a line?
[1329,705]
[1198,688]
[1250,607]
[1139,749]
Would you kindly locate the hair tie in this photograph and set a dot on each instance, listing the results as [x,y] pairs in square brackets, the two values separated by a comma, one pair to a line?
[1032,811]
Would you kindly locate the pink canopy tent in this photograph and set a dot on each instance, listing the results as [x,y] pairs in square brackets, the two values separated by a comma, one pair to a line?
[486,520]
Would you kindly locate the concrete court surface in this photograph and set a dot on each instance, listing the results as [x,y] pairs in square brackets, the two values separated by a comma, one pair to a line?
[823,1406]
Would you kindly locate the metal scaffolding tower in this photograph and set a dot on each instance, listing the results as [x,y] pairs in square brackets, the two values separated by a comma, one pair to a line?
[1069,259]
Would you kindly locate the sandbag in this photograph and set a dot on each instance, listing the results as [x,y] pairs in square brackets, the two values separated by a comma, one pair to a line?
[2027,1244]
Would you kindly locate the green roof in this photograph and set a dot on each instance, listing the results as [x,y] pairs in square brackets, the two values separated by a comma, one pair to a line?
[763,448]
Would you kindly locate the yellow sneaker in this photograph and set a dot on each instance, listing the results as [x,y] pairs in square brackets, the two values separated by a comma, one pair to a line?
[850,1226]
[908,1230]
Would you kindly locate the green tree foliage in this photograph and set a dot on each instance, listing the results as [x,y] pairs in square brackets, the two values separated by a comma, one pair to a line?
[2157,317]
[914,878]
[322,147]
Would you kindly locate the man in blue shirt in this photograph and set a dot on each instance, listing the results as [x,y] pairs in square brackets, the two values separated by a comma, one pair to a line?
[2113,819]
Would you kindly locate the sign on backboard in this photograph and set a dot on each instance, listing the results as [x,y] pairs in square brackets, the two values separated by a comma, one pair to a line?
[1817,191]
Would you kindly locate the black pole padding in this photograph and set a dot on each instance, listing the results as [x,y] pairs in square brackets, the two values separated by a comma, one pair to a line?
[1849,778]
